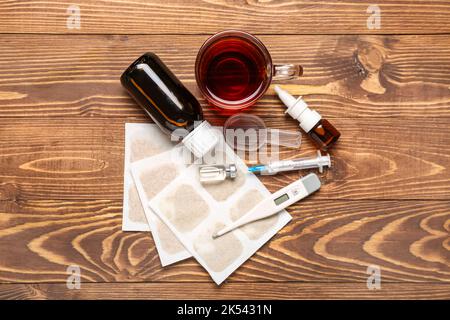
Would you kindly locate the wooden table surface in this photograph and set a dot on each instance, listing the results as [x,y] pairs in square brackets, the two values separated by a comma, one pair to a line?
[385,202]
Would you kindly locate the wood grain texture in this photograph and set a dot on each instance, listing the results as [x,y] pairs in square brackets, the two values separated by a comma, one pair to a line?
[384,202]
[232,291]
[83,159]
[344,76]
[327,242]
[274,17]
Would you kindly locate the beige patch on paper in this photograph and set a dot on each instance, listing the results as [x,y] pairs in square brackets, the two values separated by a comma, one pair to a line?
[145,146]
[246,202]
[155,179]
[218,253]
[222,190]
[184,208]
[169,242]
[135,211]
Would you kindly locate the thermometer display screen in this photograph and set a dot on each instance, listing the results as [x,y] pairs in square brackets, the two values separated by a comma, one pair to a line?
[281,199]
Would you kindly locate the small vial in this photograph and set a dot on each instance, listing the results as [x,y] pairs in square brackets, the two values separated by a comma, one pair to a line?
[217,173]
[321,131]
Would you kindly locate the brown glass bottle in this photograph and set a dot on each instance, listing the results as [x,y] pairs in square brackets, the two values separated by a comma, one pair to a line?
[163,97]
[167,101]
[324,134]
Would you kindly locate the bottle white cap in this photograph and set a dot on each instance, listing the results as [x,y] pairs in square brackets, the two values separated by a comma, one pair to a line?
[201,140]
[298,109]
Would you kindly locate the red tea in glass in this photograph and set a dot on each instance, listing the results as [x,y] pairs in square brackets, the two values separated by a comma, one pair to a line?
[233,69]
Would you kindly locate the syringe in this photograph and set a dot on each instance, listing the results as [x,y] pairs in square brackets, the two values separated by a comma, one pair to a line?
[289,165]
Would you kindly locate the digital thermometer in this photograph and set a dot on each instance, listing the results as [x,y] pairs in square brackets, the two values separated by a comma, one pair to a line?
[276,202]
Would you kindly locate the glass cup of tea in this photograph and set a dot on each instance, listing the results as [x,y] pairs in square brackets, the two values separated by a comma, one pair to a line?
[233,70]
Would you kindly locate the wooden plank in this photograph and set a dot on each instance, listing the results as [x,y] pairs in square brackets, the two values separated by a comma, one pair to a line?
[83,159]
[351,76]
[293,17]
[230,291]
[327,241]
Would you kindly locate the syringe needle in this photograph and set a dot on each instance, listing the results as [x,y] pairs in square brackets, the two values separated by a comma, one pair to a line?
[289,165]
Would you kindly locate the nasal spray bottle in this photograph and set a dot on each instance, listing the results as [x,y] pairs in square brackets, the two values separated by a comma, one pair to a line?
[319,130]
[170,104]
